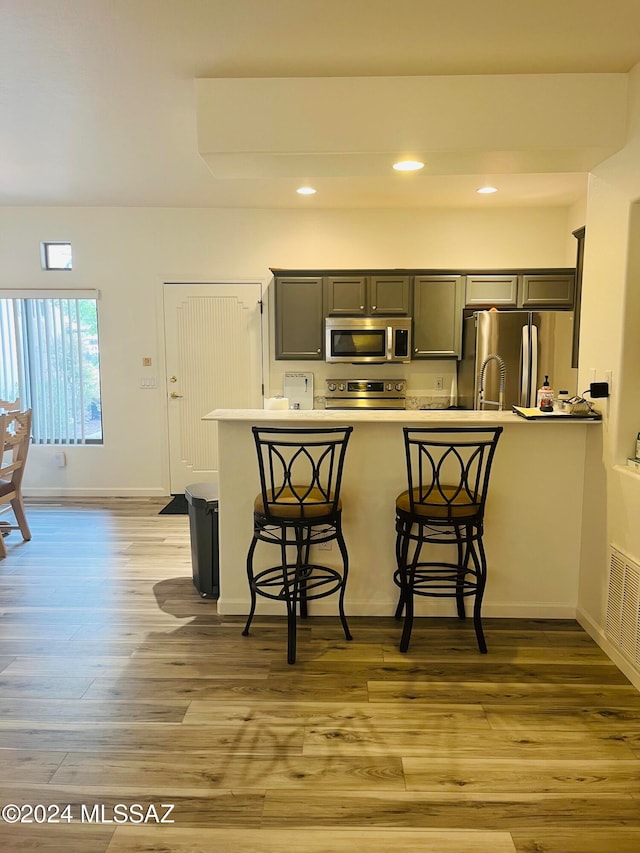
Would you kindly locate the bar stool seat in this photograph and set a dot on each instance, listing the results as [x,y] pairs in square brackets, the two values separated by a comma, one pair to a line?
[448,473]
[287,504]
[298,506]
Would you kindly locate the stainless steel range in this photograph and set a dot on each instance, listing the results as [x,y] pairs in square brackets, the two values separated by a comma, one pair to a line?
[365,393]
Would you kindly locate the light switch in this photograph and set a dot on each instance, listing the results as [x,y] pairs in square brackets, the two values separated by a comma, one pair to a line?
[148,382]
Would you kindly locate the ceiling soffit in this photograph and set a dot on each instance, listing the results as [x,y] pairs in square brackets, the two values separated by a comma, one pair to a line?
[357,126]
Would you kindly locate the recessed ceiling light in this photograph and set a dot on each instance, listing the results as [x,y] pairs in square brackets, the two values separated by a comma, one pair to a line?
[408,166]
[487,190]
[305,190]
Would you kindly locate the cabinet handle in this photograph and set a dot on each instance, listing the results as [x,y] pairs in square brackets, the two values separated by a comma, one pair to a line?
[373,307]
[415,349]
[317,350]
[362,307]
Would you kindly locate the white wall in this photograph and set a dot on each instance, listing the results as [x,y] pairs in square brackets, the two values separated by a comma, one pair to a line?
[128,252]
[609,341]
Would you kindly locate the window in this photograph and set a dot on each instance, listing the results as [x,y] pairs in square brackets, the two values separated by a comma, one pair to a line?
[56,256]
[50,359]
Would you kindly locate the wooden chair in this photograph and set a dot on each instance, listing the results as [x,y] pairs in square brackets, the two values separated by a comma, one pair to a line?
[15,437]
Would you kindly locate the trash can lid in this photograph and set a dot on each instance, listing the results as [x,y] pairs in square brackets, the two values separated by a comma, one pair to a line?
[206,491]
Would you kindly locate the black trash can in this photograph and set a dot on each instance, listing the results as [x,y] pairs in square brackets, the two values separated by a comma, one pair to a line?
[202,499]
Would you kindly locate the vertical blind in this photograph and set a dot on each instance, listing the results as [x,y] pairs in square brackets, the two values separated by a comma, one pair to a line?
[48,362]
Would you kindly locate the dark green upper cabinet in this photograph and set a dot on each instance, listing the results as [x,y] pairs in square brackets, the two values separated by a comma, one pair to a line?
[389,295]
[547,291]
[435,299]
[520,290]
[299,318]
[575,349]
[437,316]
[366,296]
[346,295]
[492,290]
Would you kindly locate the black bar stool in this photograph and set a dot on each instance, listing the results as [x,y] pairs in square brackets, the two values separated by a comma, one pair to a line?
[448,477]
[298,506]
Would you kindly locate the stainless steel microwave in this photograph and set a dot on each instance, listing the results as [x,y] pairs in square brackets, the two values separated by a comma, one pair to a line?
[367,340]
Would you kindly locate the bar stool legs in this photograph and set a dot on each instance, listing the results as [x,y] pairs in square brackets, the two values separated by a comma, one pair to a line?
[462,579]
[294,583]
[448,477]
[298,506]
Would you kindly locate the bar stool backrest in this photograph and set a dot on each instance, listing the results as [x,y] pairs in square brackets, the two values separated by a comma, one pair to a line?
[300,471]
[448,471]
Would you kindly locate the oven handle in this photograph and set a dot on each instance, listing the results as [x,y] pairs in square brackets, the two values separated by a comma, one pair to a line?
[390,347]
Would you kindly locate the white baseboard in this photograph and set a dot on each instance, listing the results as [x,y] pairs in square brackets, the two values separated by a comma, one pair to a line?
[86,492]
[328,607]
[597,634]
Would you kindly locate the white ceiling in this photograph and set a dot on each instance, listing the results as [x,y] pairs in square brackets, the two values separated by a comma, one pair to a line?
[97,97]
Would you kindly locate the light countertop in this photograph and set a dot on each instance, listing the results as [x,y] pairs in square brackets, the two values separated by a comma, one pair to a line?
[414,416]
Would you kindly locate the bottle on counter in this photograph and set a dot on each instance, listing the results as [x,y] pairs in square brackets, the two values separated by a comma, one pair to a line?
[545,396]
[638,447]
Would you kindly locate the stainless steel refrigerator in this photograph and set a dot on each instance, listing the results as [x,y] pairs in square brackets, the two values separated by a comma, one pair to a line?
[529,345]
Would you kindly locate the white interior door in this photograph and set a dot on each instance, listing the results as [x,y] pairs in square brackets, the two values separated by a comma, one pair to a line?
[213,341]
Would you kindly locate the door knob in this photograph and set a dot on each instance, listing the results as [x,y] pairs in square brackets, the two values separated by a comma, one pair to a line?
[174,395]
[173,379]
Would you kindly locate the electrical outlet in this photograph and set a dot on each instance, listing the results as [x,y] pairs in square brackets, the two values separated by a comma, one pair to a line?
[608,376]
[438,383]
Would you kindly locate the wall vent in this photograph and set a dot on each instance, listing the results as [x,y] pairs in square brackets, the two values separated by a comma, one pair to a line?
[622,625]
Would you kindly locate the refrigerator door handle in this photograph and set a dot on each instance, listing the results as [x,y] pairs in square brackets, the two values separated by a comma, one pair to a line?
[526,368]
[534,365]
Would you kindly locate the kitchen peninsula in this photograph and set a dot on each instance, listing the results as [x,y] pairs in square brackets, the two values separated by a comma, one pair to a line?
[533,523]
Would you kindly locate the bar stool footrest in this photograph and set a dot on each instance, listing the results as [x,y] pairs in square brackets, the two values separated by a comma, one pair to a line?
[313,581]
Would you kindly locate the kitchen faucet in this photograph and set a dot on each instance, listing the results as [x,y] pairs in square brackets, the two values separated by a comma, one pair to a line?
[503,374]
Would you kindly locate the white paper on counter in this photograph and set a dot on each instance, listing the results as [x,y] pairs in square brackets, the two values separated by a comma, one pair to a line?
[298,387]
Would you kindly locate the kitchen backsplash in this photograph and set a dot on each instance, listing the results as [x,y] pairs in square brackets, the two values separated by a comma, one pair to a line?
[413,401]
[420,377]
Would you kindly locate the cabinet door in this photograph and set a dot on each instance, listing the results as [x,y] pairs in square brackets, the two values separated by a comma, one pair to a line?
[437,316]
[346,295]
[299,318]
[389,295]
[547,291]
[489,290]
[575,349]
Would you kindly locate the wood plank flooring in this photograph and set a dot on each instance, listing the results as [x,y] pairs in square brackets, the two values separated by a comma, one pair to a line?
[119,685]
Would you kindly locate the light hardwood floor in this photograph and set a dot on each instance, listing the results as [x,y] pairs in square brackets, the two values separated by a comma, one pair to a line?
[120,685]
